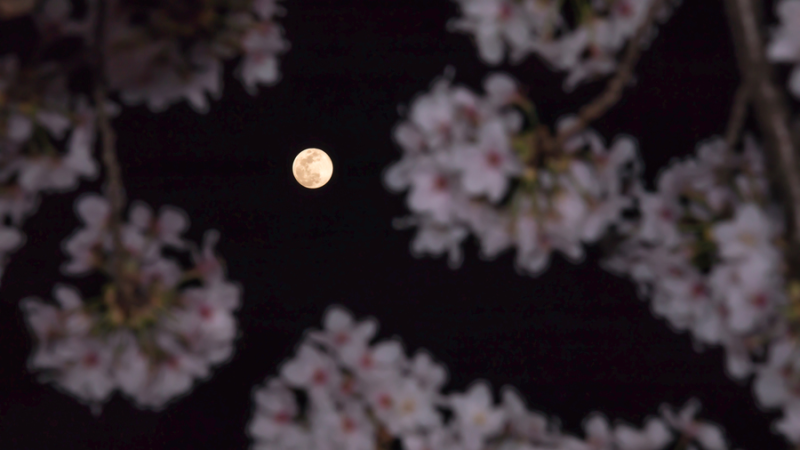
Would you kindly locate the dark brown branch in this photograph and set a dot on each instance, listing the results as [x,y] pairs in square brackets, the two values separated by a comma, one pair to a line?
[771,112]
[616,85]
[738,113]
[114,188]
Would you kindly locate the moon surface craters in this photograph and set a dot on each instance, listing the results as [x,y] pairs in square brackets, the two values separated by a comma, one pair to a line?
[312,168]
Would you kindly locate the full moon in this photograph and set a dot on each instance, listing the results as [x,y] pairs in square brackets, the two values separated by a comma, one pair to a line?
[312,168]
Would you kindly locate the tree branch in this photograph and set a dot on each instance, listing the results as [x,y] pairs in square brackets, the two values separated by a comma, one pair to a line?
[615,86]
[738,113]
[772,115]
[114,189]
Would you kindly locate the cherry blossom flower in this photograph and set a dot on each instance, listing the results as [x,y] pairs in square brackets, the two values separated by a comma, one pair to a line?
[340,330]
[495,23]
[488,165]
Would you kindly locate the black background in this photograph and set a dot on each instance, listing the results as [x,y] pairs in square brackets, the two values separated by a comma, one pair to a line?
[573,340]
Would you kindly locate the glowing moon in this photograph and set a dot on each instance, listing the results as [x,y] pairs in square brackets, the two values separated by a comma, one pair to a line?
[312,168]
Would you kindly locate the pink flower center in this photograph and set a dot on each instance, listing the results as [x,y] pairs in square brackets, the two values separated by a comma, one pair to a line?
[698,290]
[348,424]
[366,361]
[444,128]
[173,362]
[543,241]
[471,113]
[385,401]
[440,183]
[282,417]
[348,386]
[505,11]
[91,359]
[594,51]
[666,214]
[319,377]
[493,158]
[341,338]
[206,312]
[265,27]
[761,300]
[624,8]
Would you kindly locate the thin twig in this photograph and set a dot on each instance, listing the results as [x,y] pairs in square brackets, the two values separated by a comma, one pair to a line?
[114,188]
[615,86]
[772,115]
[738,113]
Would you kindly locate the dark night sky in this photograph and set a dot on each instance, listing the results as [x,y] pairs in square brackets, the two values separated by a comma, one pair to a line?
[573,340]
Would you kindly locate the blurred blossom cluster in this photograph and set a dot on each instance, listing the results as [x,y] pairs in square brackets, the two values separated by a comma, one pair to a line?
[705,251]
[47,139]
[340,391]
[160,53]
[151,337]
[473,165]
[784,45]
[582,37]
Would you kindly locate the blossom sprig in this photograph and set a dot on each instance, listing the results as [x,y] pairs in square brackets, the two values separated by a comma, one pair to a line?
[160,53]
[476,165]
[341,391]
[46,143]
[706,251]
[151,338]
[587,47]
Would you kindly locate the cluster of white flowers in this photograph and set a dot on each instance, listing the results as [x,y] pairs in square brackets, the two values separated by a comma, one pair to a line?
[472,165]
[587,49]
[160,53]
[784,45]
[342,392]
[706,252]
[152,337]
[46,143]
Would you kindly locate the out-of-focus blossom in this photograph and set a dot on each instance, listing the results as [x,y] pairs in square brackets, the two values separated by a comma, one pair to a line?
[46,141]
[321,401]
[587,47]
[177,53]
[151,337]
[471,167]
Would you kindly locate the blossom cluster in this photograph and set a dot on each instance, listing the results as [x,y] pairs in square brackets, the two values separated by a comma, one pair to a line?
[150,336]
[160,53]
[587,46]
[473,165]
[46,143]
[340,391]
[706,252]
[784,45]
